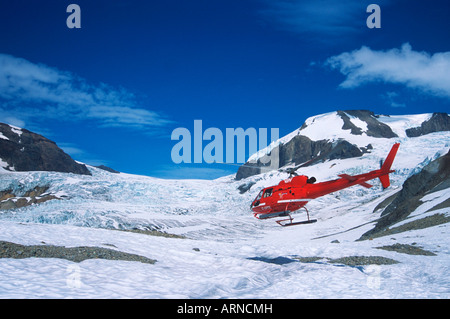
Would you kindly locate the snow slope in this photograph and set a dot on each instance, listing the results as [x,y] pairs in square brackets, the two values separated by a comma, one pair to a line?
[226,253]
[328,126]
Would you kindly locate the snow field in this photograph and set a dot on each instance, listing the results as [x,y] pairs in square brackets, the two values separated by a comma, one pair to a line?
[222,269]
[226,253]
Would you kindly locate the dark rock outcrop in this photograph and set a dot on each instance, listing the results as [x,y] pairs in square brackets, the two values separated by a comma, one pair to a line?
[433,177]
[302,150]
[23,150]
[437,123]
[246,170]
[108,169]
[74,254]
[374,127]
[37,195]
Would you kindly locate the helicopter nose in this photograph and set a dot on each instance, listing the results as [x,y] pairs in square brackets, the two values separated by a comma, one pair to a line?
[255,203]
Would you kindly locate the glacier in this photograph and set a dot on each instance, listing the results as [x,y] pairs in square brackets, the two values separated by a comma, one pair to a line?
[224,252]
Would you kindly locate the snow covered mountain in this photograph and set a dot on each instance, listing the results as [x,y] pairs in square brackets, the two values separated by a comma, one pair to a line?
[343,134]
[198,238]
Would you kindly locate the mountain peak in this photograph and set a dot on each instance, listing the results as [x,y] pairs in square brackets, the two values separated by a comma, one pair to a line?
[343,134]
[22,150]
[355,122]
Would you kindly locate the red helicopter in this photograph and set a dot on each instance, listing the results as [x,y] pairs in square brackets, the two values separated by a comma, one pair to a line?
[295,192]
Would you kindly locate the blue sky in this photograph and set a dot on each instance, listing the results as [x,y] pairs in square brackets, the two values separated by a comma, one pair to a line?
[113,91]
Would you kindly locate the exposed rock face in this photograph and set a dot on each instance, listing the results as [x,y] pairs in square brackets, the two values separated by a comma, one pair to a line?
[437,123]
[433,177]
[108,169]
[23,150]
[374,127]
[301,149]
[37,195]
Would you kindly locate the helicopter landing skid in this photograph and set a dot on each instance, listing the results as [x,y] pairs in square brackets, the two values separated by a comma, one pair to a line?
[291,223]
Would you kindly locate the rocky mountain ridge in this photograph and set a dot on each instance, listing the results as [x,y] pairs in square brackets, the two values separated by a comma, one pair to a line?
[437,123]
[432,178]
[331,136]
[22,150]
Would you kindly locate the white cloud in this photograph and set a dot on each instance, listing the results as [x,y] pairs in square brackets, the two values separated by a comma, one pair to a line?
[63,95]
[113,116]
[418,70]
[390,98]
[11,120]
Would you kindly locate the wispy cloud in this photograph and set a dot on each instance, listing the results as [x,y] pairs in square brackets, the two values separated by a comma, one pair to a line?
[12,120]
[319,18]
[429,73]
[81,155]
[66,96]
[113,116]
[391,97]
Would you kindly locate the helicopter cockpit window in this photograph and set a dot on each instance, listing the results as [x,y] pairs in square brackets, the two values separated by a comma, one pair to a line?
[259,195]
[268,192]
